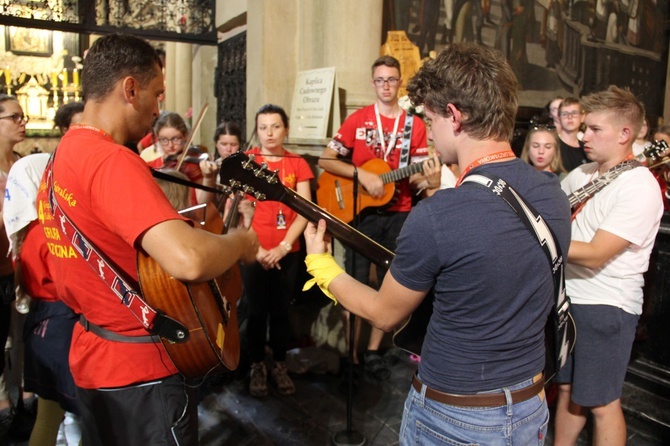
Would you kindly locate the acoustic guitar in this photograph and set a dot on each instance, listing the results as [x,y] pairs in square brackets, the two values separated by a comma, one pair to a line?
[207,309]
[242,173]
[336,193]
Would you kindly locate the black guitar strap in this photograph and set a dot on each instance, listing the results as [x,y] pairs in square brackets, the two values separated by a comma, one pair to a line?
[406,140]
[563,343]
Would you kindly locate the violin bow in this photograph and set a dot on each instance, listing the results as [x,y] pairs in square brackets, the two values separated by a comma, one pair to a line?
[192,134]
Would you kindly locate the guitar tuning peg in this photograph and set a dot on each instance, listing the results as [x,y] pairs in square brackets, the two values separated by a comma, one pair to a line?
[248,164]
[259,173]
[272,178]
[259,196]
[264,165]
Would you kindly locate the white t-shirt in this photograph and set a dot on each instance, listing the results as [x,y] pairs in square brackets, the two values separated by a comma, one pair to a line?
[629,207]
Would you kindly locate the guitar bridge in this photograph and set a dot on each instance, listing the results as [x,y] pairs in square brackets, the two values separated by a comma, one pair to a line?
[338,194]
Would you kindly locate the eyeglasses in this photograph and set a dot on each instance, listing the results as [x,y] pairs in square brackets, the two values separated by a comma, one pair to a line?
[176,141]
[17,118]
[380,81]
[573,114]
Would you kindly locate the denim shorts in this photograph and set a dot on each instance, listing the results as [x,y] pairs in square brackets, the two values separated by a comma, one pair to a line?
[428,422]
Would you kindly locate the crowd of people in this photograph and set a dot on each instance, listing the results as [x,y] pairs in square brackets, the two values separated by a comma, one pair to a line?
[87,209]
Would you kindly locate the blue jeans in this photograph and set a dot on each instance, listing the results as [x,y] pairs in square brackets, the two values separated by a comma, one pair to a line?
[427,422]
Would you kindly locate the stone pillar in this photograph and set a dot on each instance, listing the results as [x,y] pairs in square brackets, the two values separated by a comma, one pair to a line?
[170,72]
[183,92]
[290,36]
[204,67]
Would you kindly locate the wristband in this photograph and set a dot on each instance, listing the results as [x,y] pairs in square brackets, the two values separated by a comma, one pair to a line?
[286,245]
[324,268]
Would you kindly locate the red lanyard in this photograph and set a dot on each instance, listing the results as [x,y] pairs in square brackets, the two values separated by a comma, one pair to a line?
[505,154]
[90,127]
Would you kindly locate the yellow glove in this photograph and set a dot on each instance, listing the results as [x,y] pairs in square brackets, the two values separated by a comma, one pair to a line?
[324,268]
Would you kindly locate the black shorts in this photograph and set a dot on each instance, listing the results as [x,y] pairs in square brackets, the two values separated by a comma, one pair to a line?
[162,412]
[47,333]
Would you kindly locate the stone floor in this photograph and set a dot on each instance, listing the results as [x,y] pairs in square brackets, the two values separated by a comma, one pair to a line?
[317,413]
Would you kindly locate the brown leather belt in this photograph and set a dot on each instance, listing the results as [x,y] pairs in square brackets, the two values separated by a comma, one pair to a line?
[480,399]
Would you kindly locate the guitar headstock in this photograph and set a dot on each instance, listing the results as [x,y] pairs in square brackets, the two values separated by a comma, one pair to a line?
[240,172]
[657,150]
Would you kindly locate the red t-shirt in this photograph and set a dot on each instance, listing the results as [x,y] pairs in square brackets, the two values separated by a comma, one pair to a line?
[35,259]
[357,139]
[293,169]
[108,192]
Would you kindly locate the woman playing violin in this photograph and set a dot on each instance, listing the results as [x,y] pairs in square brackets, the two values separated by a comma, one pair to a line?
[227,139]
[171,134]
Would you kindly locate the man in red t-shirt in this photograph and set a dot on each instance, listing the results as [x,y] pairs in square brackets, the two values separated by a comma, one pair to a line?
[376,131]
[129,392]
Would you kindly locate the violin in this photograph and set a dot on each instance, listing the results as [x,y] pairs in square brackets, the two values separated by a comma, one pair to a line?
[194,154]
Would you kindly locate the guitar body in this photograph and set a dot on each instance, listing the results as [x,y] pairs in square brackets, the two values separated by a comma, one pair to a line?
[336,193]
[207,309]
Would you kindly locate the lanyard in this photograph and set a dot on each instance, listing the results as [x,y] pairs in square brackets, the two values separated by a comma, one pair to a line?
[94,129]
[380,132]
[505,154]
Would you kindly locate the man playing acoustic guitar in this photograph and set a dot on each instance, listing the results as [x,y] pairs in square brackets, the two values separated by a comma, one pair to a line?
[480,376]
[128,388]
[380,131]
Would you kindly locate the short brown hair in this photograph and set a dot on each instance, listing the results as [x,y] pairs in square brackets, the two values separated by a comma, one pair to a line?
[626,108]
[478,81]
[387,61]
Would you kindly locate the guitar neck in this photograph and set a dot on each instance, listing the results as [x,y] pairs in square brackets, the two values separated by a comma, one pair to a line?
[403,172]
[584,193]
[349,236]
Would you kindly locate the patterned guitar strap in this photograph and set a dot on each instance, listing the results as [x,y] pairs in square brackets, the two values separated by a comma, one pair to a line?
[153,320]
[406,140]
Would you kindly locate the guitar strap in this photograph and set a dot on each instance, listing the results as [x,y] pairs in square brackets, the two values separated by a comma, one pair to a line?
[154,321]
[406,140]
[581,196]
[538,227]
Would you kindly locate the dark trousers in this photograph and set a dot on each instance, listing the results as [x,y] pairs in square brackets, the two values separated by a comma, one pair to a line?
[162,412]
[268,294]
